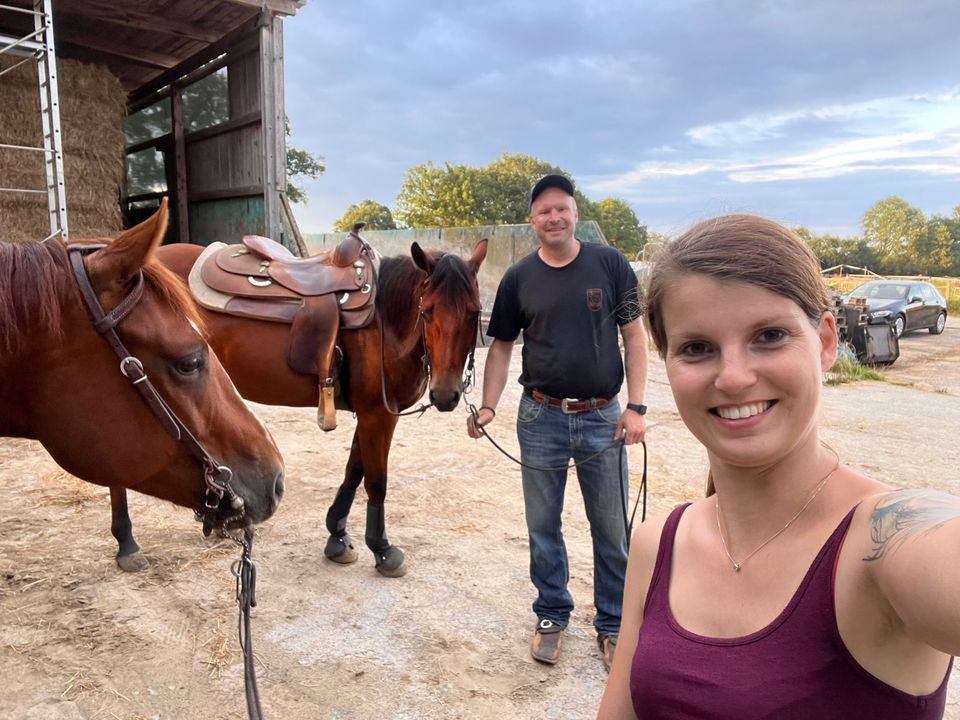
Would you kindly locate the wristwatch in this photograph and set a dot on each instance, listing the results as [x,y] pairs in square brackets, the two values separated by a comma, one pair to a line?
[638,408]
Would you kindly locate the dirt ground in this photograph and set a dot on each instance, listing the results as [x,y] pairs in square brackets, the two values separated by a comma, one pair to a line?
[81,639]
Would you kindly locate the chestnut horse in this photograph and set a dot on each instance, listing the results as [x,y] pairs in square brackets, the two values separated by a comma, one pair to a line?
[63,382]
[428,306]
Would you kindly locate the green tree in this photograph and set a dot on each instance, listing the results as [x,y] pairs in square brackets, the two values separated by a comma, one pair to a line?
[375,215]
[459,195]
[834,250]
[621,227]
[897,232]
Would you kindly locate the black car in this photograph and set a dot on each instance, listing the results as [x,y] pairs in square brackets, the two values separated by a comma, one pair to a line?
[907,304]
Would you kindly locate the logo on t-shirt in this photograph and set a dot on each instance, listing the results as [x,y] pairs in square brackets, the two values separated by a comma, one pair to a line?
[594,298]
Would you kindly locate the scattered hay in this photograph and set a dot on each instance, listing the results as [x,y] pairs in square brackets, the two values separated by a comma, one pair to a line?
[79,685]
[92,109]
[219,646]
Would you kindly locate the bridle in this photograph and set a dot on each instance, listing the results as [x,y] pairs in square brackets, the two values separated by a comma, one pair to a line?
[216,476]
[427,370]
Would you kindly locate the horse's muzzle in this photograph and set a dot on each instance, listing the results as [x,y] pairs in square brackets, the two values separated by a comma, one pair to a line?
[445,400]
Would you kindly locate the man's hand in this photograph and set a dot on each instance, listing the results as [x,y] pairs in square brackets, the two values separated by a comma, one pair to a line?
[485,415]
[632,427]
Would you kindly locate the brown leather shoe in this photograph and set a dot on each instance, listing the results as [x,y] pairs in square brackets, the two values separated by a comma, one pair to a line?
[546,642]
[608,646]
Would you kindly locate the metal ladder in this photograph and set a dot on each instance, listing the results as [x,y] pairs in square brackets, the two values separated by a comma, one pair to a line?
[38,45]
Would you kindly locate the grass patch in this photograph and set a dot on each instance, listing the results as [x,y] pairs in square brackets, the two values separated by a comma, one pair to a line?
[953,305]
[846,369]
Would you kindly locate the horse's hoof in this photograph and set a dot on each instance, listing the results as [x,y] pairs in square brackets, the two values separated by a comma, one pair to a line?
[390,562]
[134,562]
[340,550]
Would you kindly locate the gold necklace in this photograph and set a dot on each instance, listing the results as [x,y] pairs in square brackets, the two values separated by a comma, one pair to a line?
[816,491]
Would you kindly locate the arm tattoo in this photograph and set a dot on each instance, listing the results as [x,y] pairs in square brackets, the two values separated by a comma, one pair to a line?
[907,513]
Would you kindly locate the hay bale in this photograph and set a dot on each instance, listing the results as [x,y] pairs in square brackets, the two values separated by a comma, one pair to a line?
[92,109]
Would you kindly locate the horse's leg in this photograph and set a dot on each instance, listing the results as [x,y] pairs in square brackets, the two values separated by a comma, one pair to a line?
[339,545]
[375,438]
[129,557]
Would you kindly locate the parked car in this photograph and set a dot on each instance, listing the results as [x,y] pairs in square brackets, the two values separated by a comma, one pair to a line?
[907,304]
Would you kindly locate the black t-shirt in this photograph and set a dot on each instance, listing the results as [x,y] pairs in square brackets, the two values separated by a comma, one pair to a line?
[570,317]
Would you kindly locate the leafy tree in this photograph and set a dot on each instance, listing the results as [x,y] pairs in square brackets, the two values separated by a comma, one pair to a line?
[898,234]
[434,196]
[375,215]
[458,195]
[834,250]
[620,226]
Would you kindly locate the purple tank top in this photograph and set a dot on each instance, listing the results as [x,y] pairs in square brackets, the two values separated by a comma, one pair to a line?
[796,668]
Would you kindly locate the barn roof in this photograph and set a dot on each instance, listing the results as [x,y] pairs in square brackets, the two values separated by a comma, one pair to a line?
[147,43]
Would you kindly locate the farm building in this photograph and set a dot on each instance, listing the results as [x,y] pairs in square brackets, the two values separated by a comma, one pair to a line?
[154,98]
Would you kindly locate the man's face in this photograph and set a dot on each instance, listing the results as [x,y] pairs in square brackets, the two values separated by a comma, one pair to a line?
[554,217]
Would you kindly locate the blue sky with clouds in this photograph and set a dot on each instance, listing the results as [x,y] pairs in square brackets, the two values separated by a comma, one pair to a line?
[807,111]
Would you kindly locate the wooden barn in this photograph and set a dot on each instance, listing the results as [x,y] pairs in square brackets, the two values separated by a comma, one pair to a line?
[157,98]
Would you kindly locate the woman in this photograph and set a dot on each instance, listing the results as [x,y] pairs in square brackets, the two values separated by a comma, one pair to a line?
[799,588]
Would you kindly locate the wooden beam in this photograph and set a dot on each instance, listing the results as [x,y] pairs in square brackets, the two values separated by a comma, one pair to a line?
[248,191]
[222,128]
[130,53]
[283,7]
[180,165]
[113,13]
[211,52]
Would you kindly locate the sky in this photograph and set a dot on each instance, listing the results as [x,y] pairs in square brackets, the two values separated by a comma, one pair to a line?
[806,111]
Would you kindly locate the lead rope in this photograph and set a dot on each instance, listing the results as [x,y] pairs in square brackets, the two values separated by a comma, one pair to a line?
[246,574]
[625,493]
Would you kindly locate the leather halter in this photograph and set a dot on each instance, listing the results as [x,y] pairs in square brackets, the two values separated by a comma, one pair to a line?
[216,476]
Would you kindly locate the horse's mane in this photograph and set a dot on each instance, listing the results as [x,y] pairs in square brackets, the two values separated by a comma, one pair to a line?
[33,278]
[36,278]
[399,276]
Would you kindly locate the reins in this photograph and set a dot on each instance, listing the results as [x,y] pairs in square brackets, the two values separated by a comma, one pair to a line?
[642,492]
[246,573]
[216,476]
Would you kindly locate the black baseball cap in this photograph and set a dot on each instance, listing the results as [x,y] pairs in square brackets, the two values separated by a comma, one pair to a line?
[551,181]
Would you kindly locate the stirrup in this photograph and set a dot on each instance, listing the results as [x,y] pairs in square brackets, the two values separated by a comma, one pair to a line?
[327,413]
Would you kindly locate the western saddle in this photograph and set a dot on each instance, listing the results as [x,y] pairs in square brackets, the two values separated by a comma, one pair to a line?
[316,295]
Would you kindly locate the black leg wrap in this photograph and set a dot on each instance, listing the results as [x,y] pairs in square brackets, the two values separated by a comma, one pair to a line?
[339,510]
[388,558]
[376,532]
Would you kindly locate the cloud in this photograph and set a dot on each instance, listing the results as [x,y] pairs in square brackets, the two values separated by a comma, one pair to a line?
[932,112]
[928,142]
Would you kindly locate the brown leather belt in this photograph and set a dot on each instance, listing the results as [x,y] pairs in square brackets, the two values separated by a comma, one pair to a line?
[568,405]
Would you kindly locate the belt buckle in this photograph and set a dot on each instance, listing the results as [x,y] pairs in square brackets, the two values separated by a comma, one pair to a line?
[565,406]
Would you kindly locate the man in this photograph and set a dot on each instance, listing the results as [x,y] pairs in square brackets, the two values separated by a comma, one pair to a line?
[569,298]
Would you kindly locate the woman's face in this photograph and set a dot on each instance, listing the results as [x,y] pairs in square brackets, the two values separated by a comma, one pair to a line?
[745,365]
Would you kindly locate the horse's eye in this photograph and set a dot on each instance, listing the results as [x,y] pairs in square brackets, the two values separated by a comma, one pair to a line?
[427,314]
[191,364]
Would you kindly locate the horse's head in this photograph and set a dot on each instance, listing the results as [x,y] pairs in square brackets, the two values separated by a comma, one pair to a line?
[93,420]
[450,312]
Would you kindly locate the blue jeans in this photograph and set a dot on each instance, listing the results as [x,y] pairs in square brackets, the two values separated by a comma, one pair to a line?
[549,438]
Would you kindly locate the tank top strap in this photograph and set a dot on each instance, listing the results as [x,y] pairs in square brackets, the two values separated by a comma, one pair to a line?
[658,593]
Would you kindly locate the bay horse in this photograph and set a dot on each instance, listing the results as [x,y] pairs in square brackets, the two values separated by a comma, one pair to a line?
[88,333]
[428,306]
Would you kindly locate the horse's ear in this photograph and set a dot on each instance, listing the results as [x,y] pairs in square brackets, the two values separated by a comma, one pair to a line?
[119,262]
[479,253]
[422,260]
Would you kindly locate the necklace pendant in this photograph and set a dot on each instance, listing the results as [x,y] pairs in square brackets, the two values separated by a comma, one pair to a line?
[736,567]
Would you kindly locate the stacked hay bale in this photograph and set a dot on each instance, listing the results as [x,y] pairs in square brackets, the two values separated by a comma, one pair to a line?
[92,108]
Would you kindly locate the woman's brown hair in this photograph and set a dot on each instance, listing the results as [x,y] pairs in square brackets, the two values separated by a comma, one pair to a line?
[743,248]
